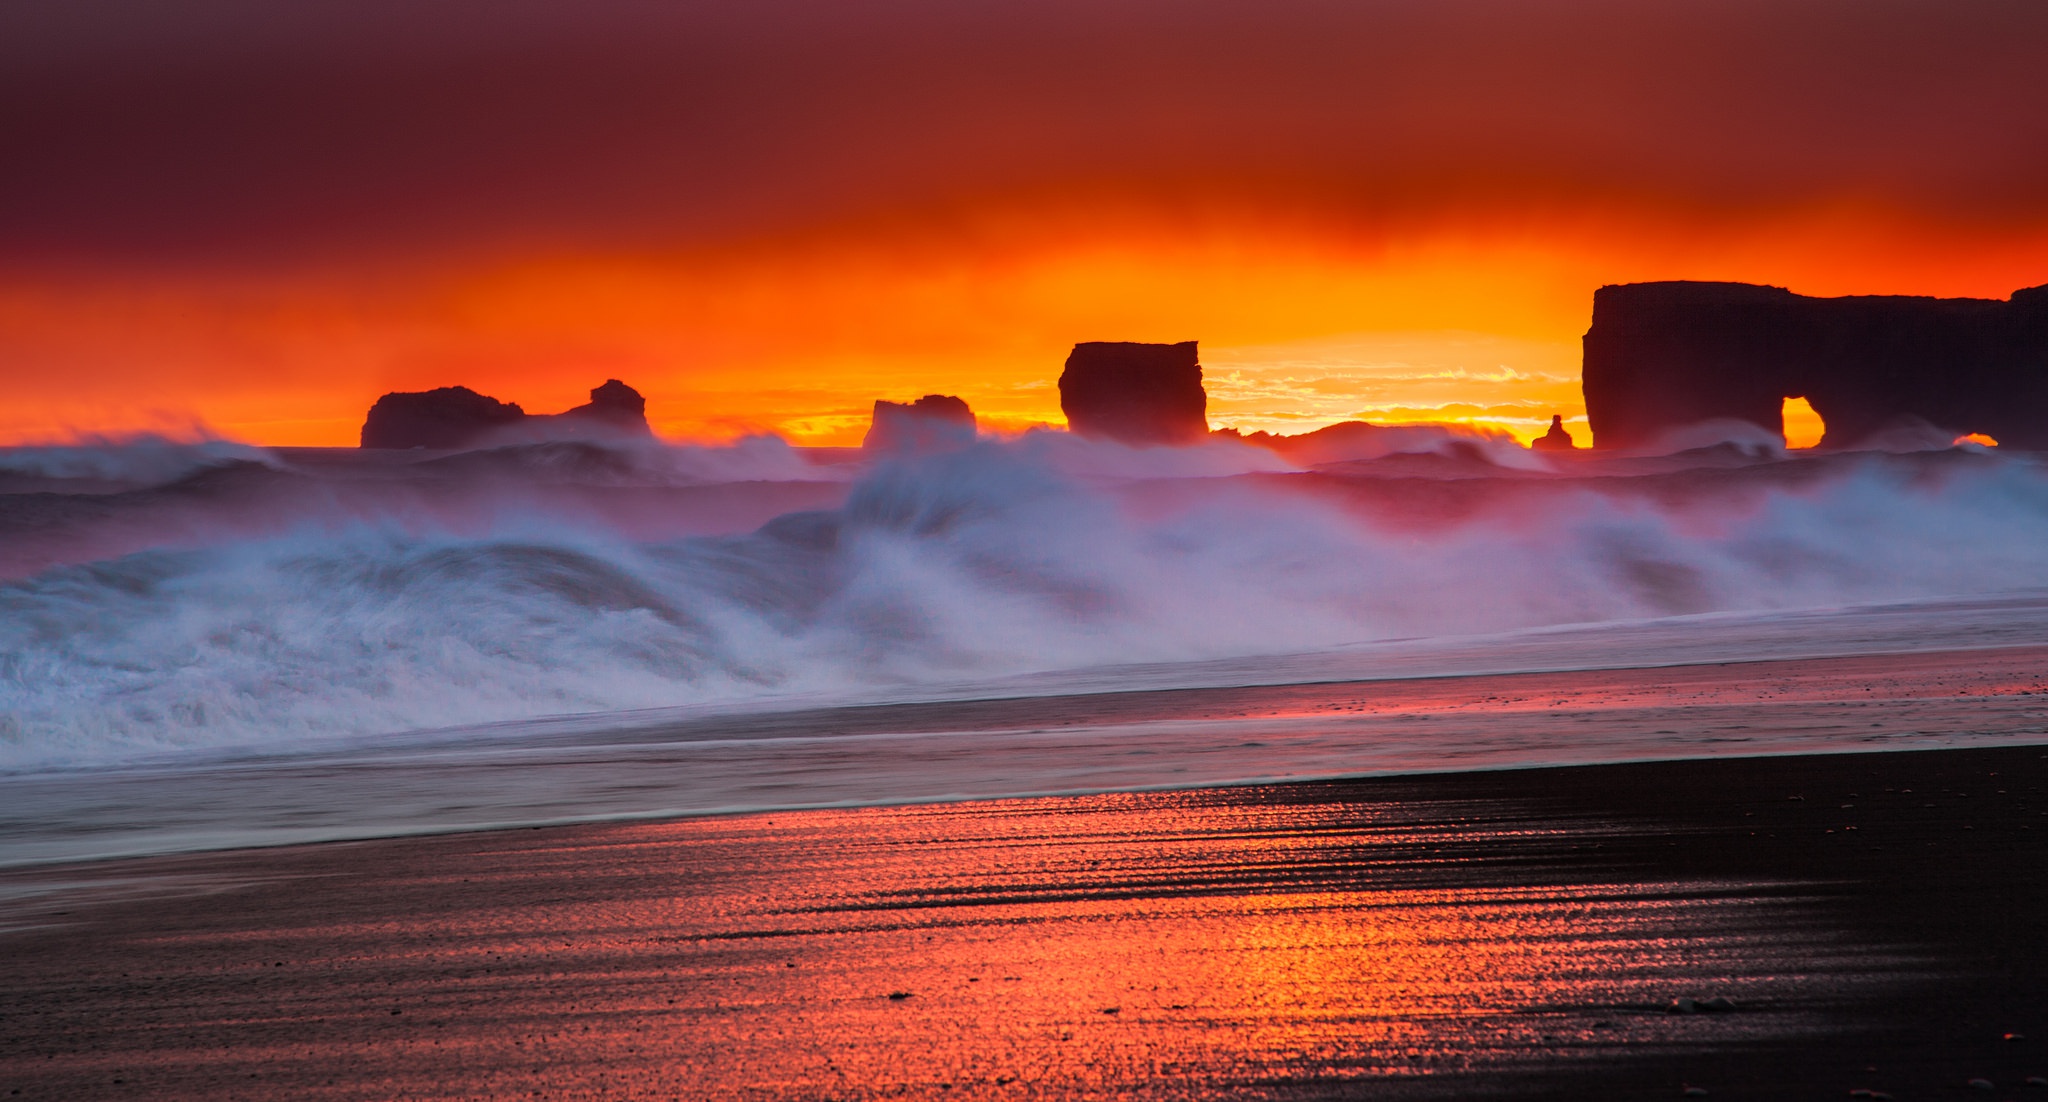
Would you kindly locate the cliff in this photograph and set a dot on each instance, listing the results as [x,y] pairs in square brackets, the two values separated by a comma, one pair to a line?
[1661,355]
[935,422]
[458,417]
[1135,393]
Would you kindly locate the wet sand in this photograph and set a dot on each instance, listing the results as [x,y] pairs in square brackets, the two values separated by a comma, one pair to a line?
[1875,919]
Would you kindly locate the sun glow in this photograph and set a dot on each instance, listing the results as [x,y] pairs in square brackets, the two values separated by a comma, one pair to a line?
[1301,325]
[1803,425]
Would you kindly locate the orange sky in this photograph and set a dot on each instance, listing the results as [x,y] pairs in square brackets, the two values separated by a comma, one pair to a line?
[766,217]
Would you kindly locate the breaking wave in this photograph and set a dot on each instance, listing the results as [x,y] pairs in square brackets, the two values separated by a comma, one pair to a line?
[1042,553]
[146,460]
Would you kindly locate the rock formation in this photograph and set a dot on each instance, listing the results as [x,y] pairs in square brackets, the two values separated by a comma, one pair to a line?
[1662,355]
[613,405]
[1352,441]
[458,417]
[935,422]
[446,417]
[1557,439]
[1140,394]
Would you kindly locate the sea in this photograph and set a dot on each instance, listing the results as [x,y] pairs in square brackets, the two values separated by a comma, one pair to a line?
[206,644]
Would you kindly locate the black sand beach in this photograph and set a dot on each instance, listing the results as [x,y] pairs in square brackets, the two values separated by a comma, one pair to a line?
[1875,920]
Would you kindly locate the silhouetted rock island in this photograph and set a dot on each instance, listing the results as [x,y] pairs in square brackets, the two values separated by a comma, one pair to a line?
[1662,355]
[613,405]
[935,422]
[446,417]
[458,417]
[1556,440]
[1135,393]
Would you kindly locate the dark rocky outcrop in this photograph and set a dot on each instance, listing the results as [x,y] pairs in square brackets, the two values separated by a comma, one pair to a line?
[1662,355]
[1352,441]
[935,422]
[613,405]
[1336,443]
[1135,393]
[446,417]
[1557,439]
[458,417]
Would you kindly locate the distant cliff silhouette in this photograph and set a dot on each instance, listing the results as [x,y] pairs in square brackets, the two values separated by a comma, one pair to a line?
[458,417]
[1661,355]
[1135,393]
[935,422]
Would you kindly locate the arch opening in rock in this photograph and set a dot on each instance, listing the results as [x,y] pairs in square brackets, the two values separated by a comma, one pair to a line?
[1803,424]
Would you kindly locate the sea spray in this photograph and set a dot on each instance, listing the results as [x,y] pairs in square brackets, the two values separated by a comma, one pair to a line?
[147,459]
[1034,554]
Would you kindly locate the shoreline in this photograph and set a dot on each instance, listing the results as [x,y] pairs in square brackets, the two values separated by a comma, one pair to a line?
[1157,740]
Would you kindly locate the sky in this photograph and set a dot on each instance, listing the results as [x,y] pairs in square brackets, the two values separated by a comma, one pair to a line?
[253,218]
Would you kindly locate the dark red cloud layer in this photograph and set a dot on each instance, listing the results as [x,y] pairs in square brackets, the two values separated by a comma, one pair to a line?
[221,130]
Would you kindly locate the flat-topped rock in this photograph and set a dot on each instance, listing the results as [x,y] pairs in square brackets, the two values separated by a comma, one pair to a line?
[935,422]
[1143,394]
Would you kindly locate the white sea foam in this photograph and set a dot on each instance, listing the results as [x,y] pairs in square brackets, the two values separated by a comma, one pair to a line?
[1036,554]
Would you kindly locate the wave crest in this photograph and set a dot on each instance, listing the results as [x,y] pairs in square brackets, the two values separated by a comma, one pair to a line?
[1001,559]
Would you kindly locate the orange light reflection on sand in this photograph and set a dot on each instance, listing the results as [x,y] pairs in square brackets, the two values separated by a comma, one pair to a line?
[1073,947]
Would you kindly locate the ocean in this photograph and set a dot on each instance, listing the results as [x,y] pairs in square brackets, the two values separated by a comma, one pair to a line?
[208,644]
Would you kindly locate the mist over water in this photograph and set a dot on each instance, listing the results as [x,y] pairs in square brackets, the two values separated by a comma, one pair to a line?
[101,464]
[383,598]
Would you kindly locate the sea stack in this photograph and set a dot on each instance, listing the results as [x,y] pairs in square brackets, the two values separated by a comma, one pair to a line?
[615,406]
[1556,440]
[1662,355]
[458,417]
[935,422]
[445,417]
[1143,394]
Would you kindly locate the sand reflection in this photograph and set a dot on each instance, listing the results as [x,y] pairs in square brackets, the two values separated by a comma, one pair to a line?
[1151,944]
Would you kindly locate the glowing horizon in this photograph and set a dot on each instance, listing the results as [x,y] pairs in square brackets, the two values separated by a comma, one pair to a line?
[801,342]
